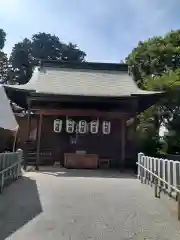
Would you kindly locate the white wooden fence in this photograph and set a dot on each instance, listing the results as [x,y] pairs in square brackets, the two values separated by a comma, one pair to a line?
[10,167]
[163,173]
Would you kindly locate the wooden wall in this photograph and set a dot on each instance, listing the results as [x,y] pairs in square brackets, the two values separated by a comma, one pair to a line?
[23,129]
[6,140]
[106,146]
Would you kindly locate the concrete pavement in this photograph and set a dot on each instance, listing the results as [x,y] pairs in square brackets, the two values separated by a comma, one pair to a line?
[77,204]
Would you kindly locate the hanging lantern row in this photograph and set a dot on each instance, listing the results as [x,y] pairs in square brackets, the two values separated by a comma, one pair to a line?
[82,126]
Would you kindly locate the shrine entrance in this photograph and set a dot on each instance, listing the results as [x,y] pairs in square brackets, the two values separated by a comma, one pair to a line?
[82,111]
[97,139]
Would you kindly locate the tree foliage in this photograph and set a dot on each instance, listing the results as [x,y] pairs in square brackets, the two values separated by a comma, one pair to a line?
[169,107]
[26,54]
[70,52]
[155,64]
[155,56]
[46,46]
[4,63]
[3,67]
[21,60]
[167,110]
[2,38]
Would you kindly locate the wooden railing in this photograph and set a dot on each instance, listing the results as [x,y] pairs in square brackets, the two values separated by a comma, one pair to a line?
[162,173]
[10,167]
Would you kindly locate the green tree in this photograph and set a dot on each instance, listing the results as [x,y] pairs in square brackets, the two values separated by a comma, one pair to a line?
[155,65]
[2,38]
[22,61]
[4,63]
[155,56]
[70,52]
[46,46]
[4,67]
[169,106]
[49,47]
[26,54]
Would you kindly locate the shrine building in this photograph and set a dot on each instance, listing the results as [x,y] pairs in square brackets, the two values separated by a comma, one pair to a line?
[77,114]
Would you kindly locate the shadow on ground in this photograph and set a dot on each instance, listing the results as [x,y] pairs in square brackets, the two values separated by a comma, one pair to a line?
[86,173]
[19,204]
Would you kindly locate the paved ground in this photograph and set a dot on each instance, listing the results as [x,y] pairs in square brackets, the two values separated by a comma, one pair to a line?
[76,205]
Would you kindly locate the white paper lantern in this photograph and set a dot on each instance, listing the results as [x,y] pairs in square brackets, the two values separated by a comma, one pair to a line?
[82,127]
[70,125]
[106,127]
[94,126]
[57,125]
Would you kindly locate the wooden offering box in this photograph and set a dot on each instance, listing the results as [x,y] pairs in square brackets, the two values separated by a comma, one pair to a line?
[80,161]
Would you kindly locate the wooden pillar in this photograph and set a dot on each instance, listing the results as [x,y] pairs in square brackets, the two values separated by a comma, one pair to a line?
[15,140]
[123,142]
[178,201]
[39,128]
[134,138]
[135,123]
[28,135]
[29,120]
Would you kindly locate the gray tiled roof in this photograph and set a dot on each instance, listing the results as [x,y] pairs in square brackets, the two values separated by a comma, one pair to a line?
[66,81]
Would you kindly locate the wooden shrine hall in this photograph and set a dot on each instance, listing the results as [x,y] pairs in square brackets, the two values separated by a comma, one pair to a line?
[79,113]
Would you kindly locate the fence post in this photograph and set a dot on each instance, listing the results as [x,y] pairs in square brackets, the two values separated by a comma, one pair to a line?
[3,161]
[2,182]
[170,177]
[139,161]
[175,175]
[166,170]
[159,170]
[178,202]
[148,167]
[20,155]
[156,187]
[151,169]
[164,173]
[10,167]
[145,172]
[142,171]
[177,164]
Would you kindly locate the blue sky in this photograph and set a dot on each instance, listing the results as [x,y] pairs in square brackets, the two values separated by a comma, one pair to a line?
[106,30]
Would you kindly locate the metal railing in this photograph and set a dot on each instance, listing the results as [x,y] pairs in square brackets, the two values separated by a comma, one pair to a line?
[10,167]
[162,173]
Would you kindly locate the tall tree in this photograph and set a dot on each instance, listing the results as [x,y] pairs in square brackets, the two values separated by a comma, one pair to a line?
[72,53]
[2,38]
[155,56]
[4,67]
[169,107]
[22,61]
[4,63]
[45,46]
[155,64]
